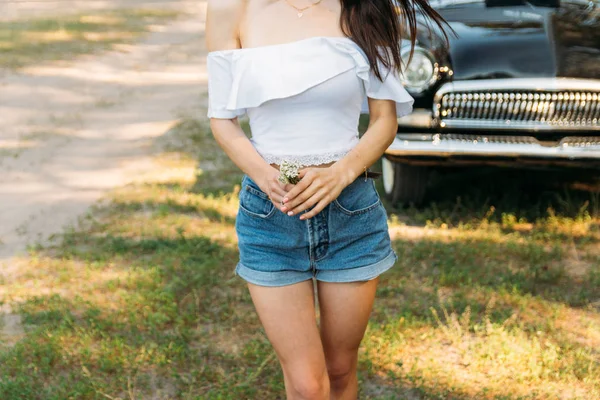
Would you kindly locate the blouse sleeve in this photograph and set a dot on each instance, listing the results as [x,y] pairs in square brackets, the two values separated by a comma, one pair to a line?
[220,79]
[390,88]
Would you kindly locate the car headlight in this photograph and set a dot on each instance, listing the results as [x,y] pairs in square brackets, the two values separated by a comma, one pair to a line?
[421,72]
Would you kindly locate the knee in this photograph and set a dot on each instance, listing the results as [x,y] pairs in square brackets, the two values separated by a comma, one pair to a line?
[341,370]
[311,389]
[310,386]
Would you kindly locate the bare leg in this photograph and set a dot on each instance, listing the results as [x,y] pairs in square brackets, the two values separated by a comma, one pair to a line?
[344,313]
[288,316]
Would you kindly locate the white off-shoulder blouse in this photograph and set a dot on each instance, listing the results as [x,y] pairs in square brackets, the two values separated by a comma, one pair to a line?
[303,99]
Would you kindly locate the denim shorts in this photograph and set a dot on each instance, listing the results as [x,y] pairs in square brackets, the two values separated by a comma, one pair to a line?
[347,241]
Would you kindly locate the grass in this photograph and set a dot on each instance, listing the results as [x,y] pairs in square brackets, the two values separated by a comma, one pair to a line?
[489,299]
[27,42]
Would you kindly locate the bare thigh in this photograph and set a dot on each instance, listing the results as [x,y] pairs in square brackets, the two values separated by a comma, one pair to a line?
[344,314]
[288,315]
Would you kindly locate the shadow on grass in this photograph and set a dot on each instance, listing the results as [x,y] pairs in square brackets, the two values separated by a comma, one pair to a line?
[472,266]
[458,194]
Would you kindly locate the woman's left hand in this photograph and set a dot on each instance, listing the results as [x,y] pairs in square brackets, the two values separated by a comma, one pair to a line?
[317,187]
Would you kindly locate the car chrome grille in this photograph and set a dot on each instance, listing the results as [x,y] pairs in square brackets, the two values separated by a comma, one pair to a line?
[578,141]
[572,141]
[508,108]
[488,139]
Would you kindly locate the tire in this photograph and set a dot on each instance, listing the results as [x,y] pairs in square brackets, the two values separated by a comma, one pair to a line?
[404,183]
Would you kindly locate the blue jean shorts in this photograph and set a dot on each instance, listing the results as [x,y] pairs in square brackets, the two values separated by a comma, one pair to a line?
[347,241]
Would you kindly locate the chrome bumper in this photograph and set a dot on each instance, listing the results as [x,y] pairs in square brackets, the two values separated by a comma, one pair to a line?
[493,146]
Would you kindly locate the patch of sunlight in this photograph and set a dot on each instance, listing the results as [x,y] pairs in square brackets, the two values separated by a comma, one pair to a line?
[579,326]
[48,37]
[171,189]
[510,222]
[585,223]
[168,224]
[148,13]
[551,230]
[45,276]
[163,205]
[174,169]
[578,237]
[406,232]
[171,211]
[17,144]
[102,19]
[444,234]
[581,226]
[79,347]
[107,36]
[483,359]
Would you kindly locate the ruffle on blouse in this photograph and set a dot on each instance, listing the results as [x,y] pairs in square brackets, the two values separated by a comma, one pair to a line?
[246,78]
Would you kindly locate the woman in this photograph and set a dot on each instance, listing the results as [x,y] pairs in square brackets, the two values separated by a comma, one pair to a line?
[302,70]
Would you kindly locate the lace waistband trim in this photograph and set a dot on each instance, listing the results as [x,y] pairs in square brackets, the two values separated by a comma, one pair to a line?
[305,160]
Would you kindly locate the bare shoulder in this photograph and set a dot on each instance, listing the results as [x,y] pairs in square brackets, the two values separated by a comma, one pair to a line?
[223,21]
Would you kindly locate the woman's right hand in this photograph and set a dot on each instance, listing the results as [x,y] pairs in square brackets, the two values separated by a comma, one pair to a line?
[269,183]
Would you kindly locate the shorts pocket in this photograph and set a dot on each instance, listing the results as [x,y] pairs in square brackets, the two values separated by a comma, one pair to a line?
[255,202]
[358,198]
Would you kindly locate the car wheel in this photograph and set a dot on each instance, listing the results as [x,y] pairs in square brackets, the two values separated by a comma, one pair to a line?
[404,183]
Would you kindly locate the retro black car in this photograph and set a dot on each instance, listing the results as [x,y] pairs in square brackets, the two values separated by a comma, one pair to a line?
[520,85]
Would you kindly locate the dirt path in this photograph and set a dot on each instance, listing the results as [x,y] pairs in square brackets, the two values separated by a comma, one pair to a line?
[70,134]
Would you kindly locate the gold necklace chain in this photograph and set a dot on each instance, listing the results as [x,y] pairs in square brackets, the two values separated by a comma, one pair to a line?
[302,9]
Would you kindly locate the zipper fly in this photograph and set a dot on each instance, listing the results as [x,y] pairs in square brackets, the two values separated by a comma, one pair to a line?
[318,237]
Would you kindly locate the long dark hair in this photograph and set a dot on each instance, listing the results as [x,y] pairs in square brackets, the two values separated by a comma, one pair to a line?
[375,23]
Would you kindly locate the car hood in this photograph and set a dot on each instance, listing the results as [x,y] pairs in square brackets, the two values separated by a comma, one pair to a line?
[524,41]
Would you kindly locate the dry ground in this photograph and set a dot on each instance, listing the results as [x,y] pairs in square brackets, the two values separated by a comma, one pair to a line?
[72,130]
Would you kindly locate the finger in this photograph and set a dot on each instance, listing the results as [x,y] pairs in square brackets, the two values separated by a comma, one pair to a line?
[275,188]
[308,204]
[299,187]
[278,206]
[280,184]
[317,209]
[302,172]
[276,199]
[301,198]
[311,201]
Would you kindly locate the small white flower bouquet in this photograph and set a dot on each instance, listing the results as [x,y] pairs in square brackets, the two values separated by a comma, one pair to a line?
[288,172]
